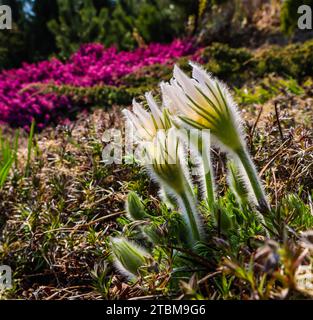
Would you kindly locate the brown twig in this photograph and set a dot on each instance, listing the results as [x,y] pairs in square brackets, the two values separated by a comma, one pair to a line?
[278,122]
[256,122]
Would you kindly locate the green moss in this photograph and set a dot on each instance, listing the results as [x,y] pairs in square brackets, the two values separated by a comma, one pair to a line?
[226,62]
[266,89]
[295,60]
[237,65]
[149,75]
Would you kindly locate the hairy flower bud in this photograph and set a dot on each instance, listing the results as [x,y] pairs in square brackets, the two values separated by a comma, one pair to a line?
[135,207]
[129,257]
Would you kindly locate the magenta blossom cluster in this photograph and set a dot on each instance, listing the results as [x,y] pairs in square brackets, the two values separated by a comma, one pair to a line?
[91,65]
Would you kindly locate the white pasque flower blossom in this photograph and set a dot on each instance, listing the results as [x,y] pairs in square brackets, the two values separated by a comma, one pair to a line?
[165,158]
[203,102]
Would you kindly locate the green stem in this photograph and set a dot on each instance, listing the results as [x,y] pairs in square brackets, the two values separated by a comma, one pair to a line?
[207,173]
[191,216]
[254,180]
[168,198]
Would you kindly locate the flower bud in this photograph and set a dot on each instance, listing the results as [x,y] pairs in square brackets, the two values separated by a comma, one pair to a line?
[135,207]
[129,257]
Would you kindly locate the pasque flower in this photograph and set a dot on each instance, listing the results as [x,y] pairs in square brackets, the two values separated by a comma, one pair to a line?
[167,167]
[164,158]
[146,123]
[198,142]
[202,102]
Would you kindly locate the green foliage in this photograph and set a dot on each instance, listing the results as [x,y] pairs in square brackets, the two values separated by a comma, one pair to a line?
[104,96]
[267,89]
[8,154]
[30,145]
[102,280]
[78,22]
[293,211]
[40,40]
[148,76]
[120,29]
[226,62]
[12,48]
[154,23]
[239,64]
[124,24]
[30,39]
[295,60]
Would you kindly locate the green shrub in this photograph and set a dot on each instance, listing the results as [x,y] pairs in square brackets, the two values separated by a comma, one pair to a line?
[295,60]
[224,61]
[239,64]
[97,95]
[149,75]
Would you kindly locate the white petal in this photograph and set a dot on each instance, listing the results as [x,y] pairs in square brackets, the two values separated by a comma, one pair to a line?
[140,132]
[141,113]
[157,115]
[168,98]
[189,86]
[201,75]
[165,97]
[180,100]
[131,118]
[144,117]
[205,80]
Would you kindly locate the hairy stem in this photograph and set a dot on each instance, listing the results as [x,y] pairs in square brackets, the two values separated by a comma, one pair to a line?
[191,216]
[254,179]
[207,173]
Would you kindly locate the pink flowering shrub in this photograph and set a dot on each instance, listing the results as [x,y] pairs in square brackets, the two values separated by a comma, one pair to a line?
[91,65]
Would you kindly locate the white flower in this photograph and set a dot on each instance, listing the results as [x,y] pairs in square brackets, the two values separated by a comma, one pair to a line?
[163,155]
[202,102]
[165,159]
[147,123]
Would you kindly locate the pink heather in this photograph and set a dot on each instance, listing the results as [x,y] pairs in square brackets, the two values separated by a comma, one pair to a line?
[91,65]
